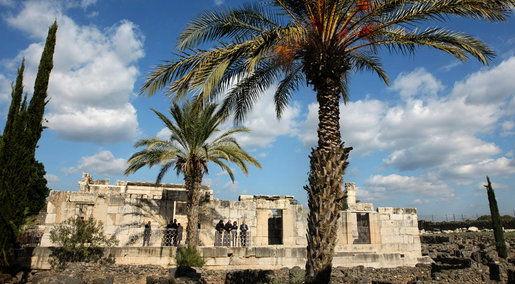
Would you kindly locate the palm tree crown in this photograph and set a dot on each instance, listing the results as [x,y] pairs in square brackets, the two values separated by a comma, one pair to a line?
[305,40]
[191,146]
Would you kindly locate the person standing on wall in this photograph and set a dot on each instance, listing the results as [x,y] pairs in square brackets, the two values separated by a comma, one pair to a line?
[174,232]
[218,233]
[243,234]
[234,233]
[180,229]
[227,234]
[146,234]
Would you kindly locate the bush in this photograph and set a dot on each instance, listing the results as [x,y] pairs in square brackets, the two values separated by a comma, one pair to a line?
[78,240]
[189,256]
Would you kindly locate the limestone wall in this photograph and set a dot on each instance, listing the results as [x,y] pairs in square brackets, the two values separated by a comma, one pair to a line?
[277,224]
[271,257]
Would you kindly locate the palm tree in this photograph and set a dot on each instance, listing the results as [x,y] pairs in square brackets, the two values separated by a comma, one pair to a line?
[320,42]
[192,145]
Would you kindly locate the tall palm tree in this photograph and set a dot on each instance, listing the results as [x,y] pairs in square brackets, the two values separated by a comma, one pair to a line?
[320,42]
[195,141]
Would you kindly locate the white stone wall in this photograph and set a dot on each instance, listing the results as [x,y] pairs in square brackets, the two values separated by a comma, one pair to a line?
[127,206]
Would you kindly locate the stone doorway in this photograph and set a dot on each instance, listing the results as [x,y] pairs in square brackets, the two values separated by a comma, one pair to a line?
[363,221]
[275,228]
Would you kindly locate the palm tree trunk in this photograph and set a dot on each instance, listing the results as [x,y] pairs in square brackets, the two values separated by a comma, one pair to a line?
[327,166]
[193,181]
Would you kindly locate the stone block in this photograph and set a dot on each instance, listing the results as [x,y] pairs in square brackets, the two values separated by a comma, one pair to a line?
[112,209]
[50,208]
[83,198]
[265,252]
[385,210]
[50,219]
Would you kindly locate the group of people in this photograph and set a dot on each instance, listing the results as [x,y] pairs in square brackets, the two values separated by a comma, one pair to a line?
[227,234]
[172,234]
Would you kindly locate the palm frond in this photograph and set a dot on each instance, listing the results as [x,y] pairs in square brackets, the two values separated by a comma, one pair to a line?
[243,23]
[288,84]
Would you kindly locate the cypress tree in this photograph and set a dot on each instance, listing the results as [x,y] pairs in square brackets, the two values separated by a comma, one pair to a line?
[37,104]
[16,95]
[18,167]
[500,244]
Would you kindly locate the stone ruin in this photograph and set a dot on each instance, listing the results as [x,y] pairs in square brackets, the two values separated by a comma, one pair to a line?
[386,237]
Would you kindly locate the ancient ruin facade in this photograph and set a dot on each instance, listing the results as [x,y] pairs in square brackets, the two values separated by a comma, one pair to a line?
[386,237]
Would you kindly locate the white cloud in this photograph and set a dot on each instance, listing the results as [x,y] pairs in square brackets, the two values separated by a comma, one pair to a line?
[489,86]
[443,135]
[264,126]
[164,133]
[86,3]
[51,179]
[94,73]
[35,17]
[5,87]
[103,163]
[463,172]
[219,2]
[380,187]
[359,123]
[232,187]
[420,201]
[95,124]
[508,128]
[417,82]
[8,3]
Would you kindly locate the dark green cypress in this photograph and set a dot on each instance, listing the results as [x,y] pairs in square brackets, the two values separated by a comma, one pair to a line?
[37,104]
[18,167]
[16,95]
[500,244]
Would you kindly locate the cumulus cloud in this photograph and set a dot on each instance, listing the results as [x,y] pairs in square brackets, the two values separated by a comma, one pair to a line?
[5,87]
[418,82]
[103,163]
[359,122]
[442,135]
[219,2]
[508,128]
[380,187]
[94,73]
[232,187]
[9,3]
[488,87]
[51,179]
[263,124]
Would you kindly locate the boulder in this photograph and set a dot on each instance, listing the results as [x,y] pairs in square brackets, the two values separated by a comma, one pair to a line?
[472,229]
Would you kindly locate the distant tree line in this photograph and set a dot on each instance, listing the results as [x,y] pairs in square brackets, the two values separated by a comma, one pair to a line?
[23,187]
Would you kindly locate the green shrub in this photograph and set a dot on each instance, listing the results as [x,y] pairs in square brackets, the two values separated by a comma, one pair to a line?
[78,240]
[297,275]
[189,256]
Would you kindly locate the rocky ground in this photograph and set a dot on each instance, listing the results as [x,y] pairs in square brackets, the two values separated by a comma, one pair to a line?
[458,258]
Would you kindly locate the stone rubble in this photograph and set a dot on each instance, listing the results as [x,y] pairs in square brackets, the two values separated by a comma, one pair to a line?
[463,258]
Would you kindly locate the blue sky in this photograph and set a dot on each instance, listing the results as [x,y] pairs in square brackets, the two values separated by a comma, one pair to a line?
[428,140]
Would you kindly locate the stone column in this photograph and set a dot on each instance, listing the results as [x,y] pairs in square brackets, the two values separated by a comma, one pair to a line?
[350,194]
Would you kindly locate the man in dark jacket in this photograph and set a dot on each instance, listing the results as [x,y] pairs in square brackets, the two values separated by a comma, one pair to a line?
[146,234]
[227,233]
[218,233]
